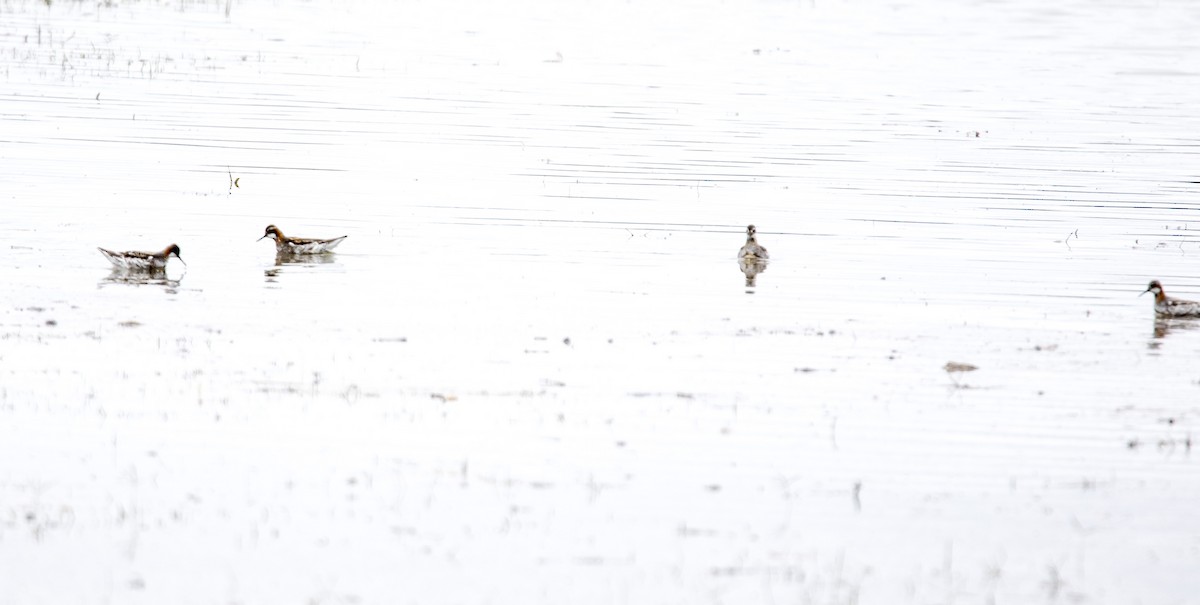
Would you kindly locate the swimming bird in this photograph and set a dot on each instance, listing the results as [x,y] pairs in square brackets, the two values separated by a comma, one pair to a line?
[1167,306]
[141,261]
[752,250]
[300,245]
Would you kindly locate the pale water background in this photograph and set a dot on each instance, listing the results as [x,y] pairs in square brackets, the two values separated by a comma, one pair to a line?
[533,373]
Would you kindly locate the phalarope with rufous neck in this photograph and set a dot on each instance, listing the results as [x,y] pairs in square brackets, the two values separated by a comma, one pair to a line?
[141,261]
[1167,306]
[752,250]
[300,245]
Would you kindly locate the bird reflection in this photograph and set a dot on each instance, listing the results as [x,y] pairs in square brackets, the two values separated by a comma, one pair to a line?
[145,277]
[290,258]
[751,267]
[284,259]
[1166,325]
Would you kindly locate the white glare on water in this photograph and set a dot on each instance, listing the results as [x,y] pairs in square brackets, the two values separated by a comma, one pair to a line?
[534,373]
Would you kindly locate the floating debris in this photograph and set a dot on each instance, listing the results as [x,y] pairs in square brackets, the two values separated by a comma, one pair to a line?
[954,366]
[955,369]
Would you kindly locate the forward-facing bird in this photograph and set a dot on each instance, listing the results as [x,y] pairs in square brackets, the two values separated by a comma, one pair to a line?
[752,250]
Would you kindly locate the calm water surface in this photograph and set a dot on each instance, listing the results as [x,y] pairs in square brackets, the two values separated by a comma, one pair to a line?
[534,372]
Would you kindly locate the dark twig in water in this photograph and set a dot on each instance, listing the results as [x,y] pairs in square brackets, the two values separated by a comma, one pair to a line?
[1067,241]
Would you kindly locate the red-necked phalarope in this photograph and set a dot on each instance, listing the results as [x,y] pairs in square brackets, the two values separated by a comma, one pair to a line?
[141,261]
[752,250]
[1167,306]
[300,245]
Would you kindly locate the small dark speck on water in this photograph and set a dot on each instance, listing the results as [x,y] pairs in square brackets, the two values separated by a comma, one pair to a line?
[51,322]
[713,487]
